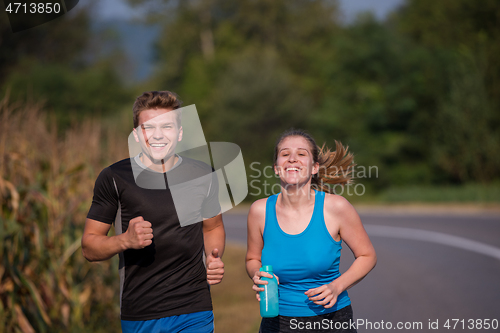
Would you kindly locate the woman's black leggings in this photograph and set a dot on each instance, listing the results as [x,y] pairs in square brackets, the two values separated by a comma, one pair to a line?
[338,321]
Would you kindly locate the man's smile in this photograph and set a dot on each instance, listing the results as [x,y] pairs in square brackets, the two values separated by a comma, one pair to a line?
[157,146]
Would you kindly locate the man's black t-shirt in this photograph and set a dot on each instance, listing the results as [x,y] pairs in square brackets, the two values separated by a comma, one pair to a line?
[168,277]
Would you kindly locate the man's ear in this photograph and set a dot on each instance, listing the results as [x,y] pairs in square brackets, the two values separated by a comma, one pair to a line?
[180,134]
[136,135]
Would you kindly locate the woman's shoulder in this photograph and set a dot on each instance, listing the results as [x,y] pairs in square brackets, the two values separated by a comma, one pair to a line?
[258,208]
[338,205]
[257,215]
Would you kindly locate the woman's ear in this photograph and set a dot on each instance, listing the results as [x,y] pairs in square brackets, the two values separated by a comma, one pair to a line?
[315,169]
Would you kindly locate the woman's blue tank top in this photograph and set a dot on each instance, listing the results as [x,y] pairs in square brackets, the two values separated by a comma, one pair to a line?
[303,261]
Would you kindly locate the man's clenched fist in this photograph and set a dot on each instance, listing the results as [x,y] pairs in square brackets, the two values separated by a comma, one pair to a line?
[139,233]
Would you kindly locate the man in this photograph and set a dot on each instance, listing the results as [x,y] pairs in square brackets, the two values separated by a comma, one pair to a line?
[163,280]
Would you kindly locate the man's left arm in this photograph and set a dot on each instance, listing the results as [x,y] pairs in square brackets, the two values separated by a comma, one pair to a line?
[215,240]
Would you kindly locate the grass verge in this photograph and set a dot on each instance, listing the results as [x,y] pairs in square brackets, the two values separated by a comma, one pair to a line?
[471,193]
[235,306]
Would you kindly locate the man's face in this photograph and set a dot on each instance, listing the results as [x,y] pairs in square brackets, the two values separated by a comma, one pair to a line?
[158,134]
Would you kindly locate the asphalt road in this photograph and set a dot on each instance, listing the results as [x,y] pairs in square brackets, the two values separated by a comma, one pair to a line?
[433,269]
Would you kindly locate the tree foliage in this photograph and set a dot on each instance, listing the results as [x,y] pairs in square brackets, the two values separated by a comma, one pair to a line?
[464,39]
[54,63]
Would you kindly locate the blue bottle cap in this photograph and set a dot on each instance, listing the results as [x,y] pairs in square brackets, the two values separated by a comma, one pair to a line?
[267,268]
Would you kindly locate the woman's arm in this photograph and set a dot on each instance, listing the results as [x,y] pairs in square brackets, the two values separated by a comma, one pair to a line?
[353,233]
[255,244]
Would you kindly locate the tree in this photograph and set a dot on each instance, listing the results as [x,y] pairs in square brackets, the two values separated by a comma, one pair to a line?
[465,39]
[59,41]
[54,63]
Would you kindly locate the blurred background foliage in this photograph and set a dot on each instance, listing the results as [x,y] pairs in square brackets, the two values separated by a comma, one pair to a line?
[65,65]
[416,96]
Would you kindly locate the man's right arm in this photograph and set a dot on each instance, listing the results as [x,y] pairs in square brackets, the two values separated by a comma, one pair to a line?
[97,246]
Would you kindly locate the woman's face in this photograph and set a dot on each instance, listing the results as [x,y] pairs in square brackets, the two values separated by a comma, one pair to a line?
[294,164]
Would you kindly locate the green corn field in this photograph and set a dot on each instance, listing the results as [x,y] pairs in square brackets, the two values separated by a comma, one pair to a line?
[46,182]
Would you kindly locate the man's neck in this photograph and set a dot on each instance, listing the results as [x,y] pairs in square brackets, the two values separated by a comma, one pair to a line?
[164,166]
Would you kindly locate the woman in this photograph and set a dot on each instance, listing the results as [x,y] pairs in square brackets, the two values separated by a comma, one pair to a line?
[299,231]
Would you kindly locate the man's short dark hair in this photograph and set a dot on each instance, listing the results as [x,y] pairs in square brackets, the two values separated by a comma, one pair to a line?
[156,100]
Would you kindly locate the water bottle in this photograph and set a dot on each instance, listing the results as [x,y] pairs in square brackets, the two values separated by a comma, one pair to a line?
[269,302]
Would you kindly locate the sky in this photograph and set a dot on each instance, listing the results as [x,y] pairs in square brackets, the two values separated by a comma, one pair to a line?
[118,9]
[380,8]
